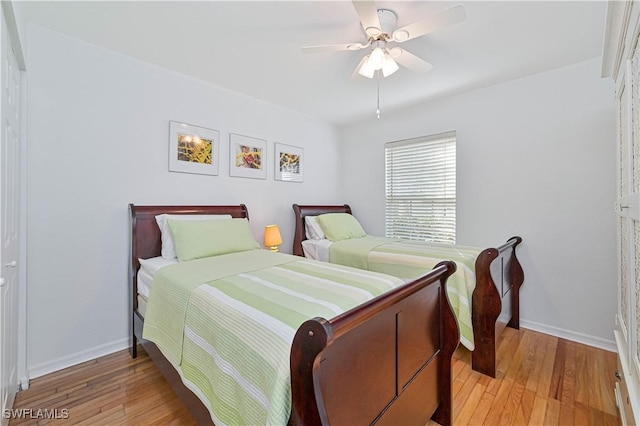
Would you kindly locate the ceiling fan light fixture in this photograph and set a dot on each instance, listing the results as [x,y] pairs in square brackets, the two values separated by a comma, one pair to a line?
[366,70]
[376,58]
[389,66]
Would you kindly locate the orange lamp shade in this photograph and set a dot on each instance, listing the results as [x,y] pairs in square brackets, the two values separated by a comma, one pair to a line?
[272,237]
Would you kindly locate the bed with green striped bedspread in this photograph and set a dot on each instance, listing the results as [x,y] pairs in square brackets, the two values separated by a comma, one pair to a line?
[227,323]
[411,259]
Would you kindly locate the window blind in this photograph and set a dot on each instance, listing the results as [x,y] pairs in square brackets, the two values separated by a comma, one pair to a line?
[420,188]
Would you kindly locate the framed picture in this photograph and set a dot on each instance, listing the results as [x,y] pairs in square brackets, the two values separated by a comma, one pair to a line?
[289,163]
[193,149]
[247,157]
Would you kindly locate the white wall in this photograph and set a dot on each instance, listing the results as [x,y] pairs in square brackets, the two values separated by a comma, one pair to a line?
[98,126]
[541,147]
[98,139]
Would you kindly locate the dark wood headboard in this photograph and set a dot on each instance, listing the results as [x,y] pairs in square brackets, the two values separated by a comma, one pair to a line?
[145,234]
[145,241]
[302,211]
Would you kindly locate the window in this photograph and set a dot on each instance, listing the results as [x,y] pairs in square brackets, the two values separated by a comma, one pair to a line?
[420,188]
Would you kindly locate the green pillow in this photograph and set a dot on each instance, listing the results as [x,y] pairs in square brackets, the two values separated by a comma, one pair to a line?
[340,226]
[205,238]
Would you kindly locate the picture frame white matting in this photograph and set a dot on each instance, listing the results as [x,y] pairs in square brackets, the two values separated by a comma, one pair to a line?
[289,163]
[247,157]
[193,149]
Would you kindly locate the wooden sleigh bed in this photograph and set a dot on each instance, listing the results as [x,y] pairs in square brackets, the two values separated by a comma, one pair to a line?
[495,300]
[335,376]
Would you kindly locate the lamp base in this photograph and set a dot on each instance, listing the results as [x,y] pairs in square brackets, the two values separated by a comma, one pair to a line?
[274,249]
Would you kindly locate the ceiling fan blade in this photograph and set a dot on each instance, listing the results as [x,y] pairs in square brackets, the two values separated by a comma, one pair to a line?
[451,16]
[409,60]
[368,14]
[333,47]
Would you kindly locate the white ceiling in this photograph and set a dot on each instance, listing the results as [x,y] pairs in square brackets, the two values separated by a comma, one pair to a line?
[254,47]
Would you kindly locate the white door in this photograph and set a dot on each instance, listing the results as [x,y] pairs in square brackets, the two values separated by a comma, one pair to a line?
[9,214]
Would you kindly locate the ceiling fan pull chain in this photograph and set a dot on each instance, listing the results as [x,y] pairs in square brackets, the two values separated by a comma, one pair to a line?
[378,105]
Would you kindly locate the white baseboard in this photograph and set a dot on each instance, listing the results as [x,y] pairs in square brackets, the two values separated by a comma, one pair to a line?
[73,359]
[118,345]
[598,342]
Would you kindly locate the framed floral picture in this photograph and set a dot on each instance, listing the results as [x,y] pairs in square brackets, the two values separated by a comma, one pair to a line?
[289,165]
[247,157]
[193,149]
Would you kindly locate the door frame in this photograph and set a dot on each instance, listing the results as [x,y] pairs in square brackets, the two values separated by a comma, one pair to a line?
[14,29]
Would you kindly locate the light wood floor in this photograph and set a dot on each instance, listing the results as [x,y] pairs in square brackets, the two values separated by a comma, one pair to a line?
[542,380]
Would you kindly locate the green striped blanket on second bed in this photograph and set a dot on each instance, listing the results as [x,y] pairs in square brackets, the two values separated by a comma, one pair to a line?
[411,259]
[226,323]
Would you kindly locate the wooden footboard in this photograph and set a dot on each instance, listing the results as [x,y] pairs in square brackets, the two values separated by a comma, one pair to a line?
[387,361]
[496,301]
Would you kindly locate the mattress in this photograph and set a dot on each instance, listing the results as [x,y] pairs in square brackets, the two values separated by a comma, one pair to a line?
[142,304]
[316,249]
[147,272]
[145,281]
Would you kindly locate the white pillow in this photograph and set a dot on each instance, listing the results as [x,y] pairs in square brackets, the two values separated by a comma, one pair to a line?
[168,248]
[313,231]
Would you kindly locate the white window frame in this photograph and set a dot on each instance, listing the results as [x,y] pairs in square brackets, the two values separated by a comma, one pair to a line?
[420,188]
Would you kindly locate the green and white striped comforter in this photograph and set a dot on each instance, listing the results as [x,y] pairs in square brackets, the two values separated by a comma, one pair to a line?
[411,259]
[226,323]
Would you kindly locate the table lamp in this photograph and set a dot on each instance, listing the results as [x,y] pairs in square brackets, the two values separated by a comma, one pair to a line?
[272,237]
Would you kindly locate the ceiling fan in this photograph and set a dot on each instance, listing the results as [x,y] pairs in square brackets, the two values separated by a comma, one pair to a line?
[380,28]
